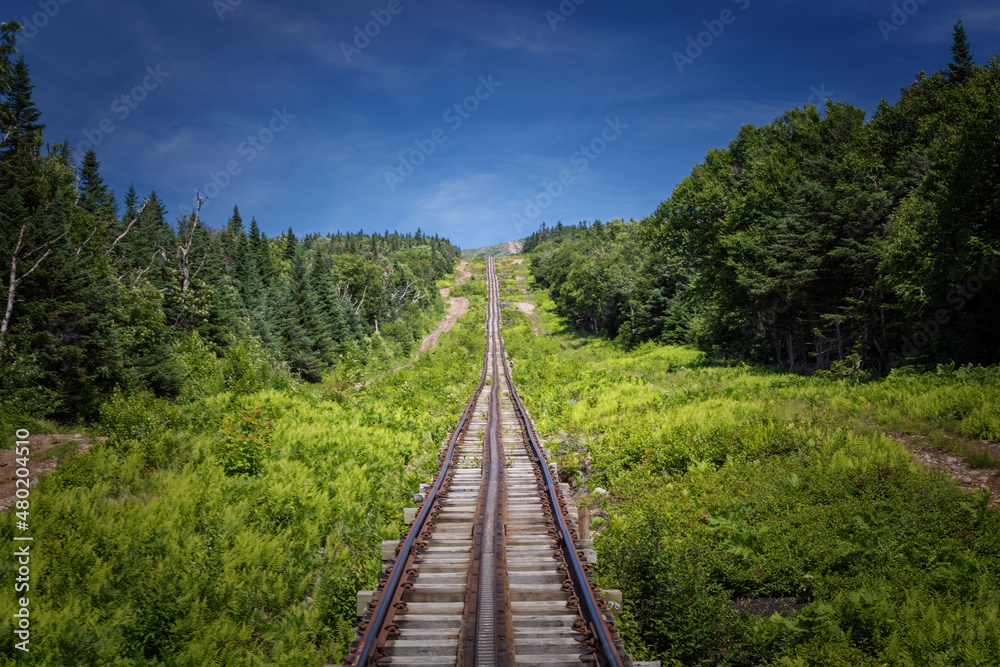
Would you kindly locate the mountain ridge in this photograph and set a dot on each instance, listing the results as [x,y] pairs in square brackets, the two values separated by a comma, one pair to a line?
[498,250]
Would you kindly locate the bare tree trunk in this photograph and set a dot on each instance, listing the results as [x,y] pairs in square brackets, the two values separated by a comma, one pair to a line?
[818,348]
[16,280]
[11,292]
[184,250]
[128,228]
[840,343]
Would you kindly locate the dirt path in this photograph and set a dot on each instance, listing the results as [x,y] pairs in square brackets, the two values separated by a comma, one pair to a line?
[526,308]
[38,463]
[463,277]
[962,474]
[457,307]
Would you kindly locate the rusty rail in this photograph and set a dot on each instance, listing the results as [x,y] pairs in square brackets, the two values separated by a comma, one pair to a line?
[601,646]
[494,622]
[380,627]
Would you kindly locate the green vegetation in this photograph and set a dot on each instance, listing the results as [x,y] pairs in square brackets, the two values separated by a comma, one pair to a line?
[743,483]
[100,296]
[475,286]
[259,447]
[815,241]
[231,528]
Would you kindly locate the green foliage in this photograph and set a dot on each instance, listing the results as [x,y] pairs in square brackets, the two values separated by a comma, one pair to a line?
[151,552]
[819,241]
[135,416]
[120,298]
[248,368]
[732,483]
[244,443]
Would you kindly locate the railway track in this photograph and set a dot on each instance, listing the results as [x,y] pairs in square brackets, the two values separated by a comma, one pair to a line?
[493,570]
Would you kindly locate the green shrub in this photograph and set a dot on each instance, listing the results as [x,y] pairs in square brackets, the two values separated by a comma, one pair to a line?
[740,482]
[244,443]
[130,417]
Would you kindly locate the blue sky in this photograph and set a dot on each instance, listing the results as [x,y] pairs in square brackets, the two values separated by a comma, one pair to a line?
[457,117]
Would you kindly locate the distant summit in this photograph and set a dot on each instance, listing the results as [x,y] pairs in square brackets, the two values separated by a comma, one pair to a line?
[498,250]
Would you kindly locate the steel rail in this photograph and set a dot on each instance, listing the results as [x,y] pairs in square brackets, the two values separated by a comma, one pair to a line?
[379,626]
[375,632]
[603,648]
[487,633]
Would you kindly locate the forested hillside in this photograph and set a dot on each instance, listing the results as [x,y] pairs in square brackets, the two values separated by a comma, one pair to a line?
[236,499]
[821,240]
[102,295]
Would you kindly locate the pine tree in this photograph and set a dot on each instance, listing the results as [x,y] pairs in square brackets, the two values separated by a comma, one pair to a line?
[962,63]
[8,47]
[95,196]
[235,225]
[131,202]
[67,316]
[341,325]
[262,252]
[291,245]
[21,134]
[234,229]
[246,274]
[298,326]
[31,232]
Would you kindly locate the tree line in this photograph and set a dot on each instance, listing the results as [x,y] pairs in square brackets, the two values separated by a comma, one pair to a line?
[98,295]
[818,241]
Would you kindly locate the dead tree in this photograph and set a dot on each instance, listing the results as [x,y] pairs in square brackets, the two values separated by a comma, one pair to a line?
[21,255]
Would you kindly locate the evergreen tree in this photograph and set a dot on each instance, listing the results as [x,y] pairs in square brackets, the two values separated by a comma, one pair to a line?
[21,134]
[32,228]
[246,274]
[962,63]
[291,245]
[8,47]
[95,196]
[341,324]
[67,316]
[131,202]
[230,241]
[262,253]
[151,240]
[303,342]
[235,225]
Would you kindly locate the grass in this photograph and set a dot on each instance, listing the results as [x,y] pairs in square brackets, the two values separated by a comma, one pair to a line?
[59,451]
[736,482]
[149,549]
